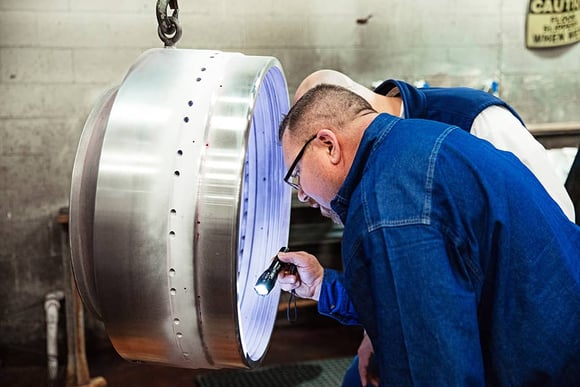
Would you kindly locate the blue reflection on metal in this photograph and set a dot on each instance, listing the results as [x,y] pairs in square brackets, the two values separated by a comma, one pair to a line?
[264,213]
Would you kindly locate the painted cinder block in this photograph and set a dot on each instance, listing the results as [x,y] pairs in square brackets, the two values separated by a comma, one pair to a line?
[36,65]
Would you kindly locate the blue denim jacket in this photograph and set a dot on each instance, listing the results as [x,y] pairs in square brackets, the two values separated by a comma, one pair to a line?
[459,265]
[453,105]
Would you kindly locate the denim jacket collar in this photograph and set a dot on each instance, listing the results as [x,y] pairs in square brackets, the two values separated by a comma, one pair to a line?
[373,136]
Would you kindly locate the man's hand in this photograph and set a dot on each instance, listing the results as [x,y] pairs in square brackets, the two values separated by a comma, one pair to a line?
[308,278]
[368,375]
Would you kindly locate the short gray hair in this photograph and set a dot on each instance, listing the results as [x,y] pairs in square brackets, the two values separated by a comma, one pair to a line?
[323,104]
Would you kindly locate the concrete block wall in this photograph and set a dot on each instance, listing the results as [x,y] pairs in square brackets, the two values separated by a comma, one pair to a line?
[57,57]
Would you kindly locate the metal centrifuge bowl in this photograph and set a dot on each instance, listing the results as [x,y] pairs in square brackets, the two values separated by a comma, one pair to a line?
[178,204]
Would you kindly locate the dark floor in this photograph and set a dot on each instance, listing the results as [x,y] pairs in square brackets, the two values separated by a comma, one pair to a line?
[312,337]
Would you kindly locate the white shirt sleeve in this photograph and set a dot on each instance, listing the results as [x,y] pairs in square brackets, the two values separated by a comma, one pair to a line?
[500,127]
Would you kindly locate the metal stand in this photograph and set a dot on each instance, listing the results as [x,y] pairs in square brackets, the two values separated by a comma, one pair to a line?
[77,370]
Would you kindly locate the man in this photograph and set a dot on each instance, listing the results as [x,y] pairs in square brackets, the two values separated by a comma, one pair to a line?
[477,112]
[459,265]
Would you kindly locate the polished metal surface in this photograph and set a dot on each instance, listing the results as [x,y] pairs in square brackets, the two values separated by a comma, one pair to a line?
[82,198]
[178,177]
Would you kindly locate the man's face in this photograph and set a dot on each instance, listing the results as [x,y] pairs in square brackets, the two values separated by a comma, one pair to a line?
[308,174]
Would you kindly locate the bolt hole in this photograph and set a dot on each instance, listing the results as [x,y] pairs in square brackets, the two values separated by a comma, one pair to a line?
[172,272]
[203,69]
[180,152]
[172,291]
[186,119]
[172,234]
[190,103]
[176,173]
[173,211]
[198,79]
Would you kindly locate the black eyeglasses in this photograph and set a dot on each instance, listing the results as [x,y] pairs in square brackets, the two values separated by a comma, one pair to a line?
[292,178]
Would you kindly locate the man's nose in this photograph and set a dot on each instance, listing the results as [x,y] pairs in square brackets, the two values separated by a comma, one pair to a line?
[302,196]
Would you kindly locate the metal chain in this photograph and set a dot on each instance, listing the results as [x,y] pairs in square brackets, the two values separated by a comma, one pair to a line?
[169,30]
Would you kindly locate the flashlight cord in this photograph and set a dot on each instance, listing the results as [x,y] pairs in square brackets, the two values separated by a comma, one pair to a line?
[292,317]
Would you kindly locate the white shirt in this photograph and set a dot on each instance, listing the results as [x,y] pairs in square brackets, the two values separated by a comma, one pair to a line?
[500,127]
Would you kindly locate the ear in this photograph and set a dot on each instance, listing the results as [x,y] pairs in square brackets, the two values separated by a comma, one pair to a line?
[333,148]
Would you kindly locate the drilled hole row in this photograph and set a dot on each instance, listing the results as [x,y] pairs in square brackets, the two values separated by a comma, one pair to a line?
[198,79]
[173,212]
[186,120]
[173,292]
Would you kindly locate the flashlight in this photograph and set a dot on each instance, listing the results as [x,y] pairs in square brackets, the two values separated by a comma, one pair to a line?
[267,280]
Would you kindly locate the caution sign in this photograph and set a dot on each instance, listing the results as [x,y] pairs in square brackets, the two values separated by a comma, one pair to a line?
[553,23]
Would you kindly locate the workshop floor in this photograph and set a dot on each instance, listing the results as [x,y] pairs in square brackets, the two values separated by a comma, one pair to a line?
[312,337]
